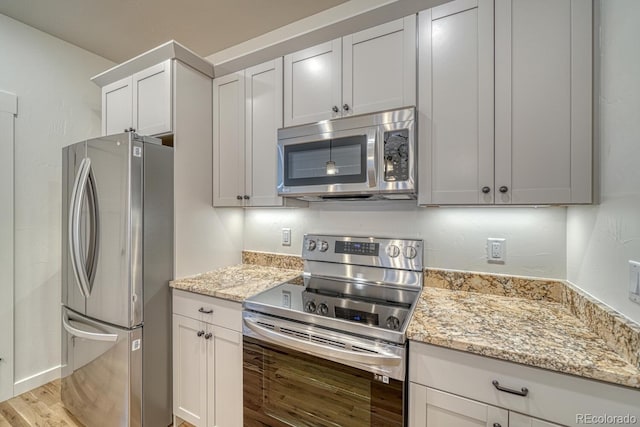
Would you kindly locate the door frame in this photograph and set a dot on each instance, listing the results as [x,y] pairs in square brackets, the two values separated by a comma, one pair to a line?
[8,112]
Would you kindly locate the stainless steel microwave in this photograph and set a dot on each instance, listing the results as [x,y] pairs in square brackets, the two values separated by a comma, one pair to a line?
[371,156]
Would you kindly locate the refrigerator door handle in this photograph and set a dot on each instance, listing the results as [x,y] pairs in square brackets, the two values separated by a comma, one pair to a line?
[88,335]
[75,209]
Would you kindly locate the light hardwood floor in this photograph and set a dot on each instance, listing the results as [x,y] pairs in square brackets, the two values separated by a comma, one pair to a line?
[40,407]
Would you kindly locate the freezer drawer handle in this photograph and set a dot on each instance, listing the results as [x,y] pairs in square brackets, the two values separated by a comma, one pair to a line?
[202,310]
[88,335]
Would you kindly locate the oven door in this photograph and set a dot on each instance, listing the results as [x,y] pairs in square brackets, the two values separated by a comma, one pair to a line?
[332,163]
[285,387]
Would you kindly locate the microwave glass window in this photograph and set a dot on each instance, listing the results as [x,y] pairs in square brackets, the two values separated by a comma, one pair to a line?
[331,161]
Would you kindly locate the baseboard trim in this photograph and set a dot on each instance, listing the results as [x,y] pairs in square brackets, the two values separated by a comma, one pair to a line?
[37,380]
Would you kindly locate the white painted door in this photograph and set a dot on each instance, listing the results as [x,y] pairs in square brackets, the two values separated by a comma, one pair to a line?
[190,370]
[432,408]
[8,110]
[313,84]
[152,100]
[519,420]
[379,67]
[455,80]
[543,101]
[225,375]
[228,140]
[117,107]
[263,90]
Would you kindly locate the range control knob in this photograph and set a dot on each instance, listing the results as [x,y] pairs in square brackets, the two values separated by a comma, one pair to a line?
[393,251]
[311,245]
[323,246]
[310,307]
[323,309]
[410,252]
[393,323]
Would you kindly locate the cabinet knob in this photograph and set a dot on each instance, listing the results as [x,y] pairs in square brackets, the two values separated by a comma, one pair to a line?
[486,190]
[346,107]
[208,335]
[504,189]
[335,109]
[239,197]
[246,197]
[200,333]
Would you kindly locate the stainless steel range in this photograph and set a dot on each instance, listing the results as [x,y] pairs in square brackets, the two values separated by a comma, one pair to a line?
[350,308]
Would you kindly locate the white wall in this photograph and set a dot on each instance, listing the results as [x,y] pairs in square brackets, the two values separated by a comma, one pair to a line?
[455,238]
[602,239]
[57,105]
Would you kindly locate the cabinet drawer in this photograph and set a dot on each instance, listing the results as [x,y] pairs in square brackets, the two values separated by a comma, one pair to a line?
[216,311]
[552,396]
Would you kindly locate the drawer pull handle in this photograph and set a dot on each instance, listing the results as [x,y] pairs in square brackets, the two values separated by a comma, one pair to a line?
[497,425]
[202,310]
[522,392]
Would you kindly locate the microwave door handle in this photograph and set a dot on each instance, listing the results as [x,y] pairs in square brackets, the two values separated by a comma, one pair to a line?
[75,209]
[372,159]
[320,350]
[94,336]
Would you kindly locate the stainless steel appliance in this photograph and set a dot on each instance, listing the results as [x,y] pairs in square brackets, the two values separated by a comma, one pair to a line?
[371,156]
[117,259]
[329,347]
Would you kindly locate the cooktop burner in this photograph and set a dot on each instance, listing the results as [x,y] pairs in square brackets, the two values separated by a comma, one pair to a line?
[362,286]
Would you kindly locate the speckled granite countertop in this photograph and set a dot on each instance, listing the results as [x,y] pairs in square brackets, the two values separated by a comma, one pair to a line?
[235,283]
[543,334]
[540,323]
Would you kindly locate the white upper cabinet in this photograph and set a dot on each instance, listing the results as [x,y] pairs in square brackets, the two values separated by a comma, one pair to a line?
[263,117]
[152,100]
[505,108]
[368,71]
[312,84]
[142,102]
[543,101]
[117,107]
[455,116]
[247,112]
[379,67]
[228,140]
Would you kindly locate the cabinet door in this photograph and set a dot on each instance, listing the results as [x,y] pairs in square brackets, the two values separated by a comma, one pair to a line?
[312,84]
[519,420]
[456,103]
[116,107]
[379,67]
[228,140]
[152,100]
[432,408]
[189,370]
[225,376]
[263,89]
[543,101]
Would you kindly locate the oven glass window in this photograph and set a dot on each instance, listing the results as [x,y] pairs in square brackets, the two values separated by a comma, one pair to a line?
[331,161]
[283,387]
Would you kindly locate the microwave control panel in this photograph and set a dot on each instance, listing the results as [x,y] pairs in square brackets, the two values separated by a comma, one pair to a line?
[396,155]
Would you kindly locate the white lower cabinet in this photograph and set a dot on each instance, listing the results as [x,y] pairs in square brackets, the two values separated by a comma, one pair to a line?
[456,388]
[207,361]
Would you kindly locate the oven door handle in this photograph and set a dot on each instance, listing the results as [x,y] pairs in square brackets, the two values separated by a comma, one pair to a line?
[309,347]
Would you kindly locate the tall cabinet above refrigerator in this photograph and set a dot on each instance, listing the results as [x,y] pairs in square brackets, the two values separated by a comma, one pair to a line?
[117,259]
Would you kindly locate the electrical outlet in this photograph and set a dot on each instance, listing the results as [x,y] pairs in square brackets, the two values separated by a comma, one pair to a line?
[634,281]
[496,250]
[286,237]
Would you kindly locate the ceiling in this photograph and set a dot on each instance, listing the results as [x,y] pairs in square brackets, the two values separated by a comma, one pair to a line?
[121,29]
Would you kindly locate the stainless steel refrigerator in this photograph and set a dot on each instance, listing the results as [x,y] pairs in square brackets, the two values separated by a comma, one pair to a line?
[117,259]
